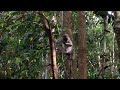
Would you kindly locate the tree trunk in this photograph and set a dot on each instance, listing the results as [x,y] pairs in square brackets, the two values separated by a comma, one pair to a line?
[104,47]
[82,51]
[117,32]
[68,28]
[113,57]
[53,56]
[48,30]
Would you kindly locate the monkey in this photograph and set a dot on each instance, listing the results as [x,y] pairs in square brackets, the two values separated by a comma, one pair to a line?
[68,44]
[65,44]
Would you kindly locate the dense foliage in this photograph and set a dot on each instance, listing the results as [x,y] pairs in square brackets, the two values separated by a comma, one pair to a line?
[25,52]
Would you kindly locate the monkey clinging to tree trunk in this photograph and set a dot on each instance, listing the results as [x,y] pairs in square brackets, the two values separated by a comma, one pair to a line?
[65,45]
[68,44]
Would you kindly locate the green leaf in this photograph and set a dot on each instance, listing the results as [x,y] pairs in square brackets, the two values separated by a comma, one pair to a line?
[18,60]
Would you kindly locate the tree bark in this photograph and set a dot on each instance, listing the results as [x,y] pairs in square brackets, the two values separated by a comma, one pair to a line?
[68,27]
[82,51]
[104,47]
[53,56]
[47,27]
[117,29]
[117,32]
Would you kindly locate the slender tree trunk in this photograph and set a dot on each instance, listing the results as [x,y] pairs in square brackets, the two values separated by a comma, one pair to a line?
[117,33]
[117,29]
[104,47]
[48,29]
[53,56]
[113,57]
[82,60]
[97,58]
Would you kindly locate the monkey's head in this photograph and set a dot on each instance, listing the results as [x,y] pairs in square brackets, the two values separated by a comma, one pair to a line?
[65,38]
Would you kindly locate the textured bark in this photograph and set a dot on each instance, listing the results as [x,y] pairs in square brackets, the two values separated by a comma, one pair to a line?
[53,56]
[47,27]
[104,47]
[117,35]
[82,51]
[68,23]
[117,31]
[68,27]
